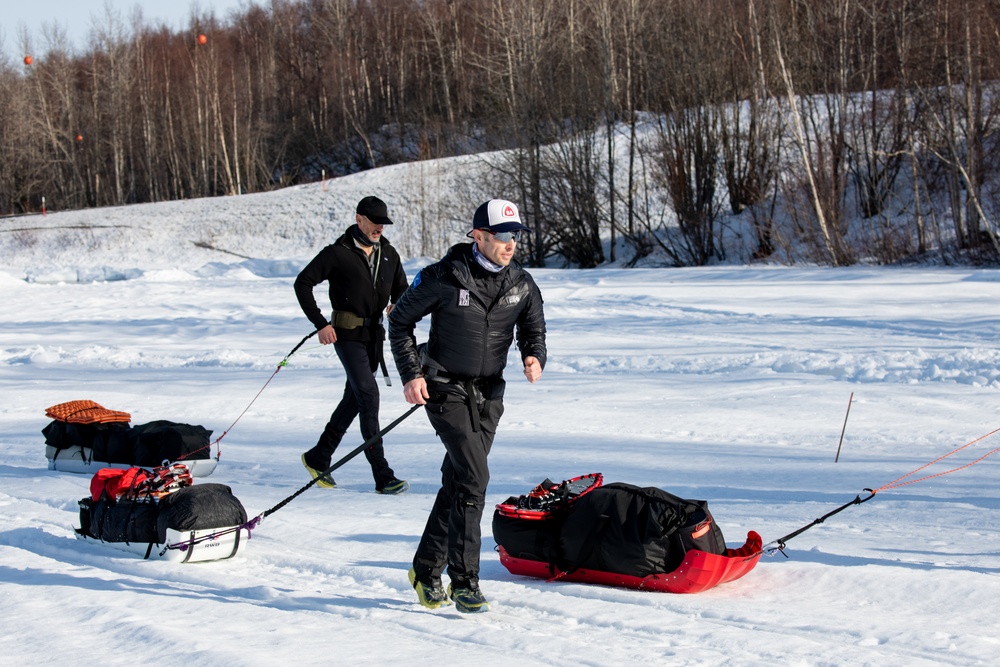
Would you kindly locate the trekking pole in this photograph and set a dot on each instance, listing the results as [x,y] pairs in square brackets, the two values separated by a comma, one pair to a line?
[354,452]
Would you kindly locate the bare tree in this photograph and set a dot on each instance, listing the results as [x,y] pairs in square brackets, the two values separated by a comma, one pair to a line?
[818,128]
[750,129]
[689,144]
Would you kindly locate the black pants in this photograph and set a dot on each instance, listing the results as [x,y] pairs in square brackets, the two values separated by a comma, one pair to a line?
[361,398]
[452,537]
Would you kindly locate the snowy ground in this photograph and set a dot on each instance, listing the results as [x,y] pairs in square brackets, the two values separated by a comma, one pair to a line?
[728,384]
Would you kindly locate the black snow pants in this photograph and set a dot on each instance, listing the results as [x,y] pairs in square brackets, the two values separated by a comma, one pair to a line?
[466,424]
[361,397]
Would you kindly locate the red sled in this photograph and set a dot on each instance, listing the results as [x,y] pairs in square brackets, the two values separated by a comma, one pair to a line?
[699,571]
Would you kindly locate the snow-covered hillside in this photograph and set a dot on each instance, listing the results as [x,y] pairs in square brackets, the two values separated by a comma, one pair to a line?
[293,223]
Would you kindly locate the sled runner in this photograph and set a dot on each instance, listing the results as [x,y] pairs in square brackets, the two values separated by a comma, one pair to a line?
[626,536]
[193,546]
[85,437]
[159,514]
[698,572]
[81,460]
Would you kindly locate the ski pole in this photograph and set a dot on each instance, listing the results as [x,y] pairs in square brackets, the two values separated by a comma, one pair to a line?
[354,452]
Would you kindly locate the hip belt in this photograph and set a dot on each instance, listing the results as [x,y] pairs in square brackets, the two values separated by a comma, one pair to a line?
[343,319]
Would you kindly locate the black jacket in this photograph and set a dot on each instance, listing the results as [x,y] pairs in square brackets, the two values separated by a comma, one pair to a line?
[473,316]
[345,267]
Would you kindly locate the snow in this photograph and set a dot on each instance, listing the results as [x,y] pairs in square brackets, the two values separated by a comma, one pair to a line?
[728,383]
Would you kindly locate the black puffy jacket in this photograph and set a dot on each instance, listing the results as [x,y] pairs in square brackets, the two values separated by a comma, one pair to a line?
[473,317]
[345,267]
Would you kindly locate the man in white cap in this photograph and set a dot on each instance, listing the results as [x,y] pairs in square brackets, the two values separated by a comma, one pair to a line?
[365,276]
[478,296]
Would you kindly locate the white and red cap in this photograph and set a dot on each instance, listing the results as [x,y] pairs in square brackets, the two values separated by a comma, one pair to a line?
[498,215]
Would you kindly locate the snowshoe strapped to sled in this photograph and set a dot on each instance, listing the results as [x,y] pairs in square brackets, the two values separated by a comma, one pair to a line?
[549,498]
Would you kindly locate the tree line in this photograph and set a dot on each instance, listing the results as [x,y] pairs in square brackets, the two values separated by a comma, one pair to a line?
[832,131]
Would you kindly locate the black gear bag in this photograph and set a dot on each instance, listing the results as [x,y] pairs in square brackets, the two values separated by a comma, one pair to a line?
[619,528]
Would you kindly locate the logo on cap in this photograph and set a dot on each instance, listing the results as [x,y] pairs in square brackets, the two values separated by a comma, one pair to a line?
[508,211]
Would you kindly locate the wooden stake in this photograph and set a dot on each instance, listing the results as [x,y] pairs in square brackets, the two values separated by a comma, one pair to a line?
[849,401]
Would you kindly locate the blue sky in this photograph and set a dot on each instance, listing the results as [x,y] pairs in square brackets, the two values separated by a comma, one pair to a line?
[77,17]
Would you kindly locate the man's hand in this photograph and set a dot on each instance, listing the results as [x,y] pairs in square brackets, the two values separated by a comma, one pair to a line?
[532,369]
[327,335]
[415,391]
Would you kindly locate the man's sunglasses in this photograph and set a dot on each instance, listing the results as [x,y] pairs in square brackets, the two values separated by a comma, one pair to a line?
[506,237]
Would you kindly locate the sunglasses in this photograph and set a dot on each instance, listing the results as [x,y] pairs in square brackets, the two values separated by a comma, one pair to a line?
[506,237]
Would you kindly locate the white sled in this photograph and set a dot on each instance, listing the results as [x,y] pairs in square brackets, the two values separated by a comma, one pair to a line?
[77,459]
[191,546]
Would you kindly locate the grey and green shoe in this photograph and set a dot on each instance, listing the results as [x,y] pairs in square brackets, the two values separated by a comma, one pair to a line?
[394,487]
[468,600]
[431,596]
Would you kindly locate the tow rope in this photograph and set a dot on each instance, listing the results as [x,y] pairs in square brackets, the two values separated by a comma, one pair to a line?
[215,443]
[779,544]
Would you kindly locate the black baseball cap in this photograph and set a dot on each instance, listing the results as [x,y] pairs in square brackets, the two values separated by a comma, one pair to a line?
[375,210]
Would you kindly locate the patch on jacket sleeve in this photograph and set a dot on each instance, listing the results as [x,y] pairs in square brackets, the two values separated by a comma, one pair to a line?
[463,297]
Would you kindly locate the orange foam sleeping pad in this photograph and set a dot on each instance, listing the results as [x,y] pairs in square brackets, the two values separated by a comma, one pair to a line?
[86,412]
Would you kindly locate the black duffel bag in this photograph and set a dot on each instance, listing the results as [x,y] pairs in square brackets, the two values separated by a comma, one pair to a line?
[162,440]
[619,528]
[636,531]
[200,507]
